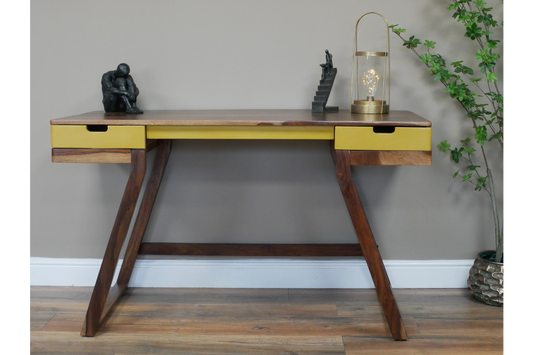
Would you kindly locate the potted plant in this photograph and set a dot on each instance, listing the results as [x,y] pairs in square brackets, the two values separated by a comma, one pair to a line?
[479,95]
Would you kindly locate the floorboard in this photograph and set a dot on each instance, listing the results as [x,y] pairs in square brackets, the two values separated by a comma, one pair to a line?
[264,321]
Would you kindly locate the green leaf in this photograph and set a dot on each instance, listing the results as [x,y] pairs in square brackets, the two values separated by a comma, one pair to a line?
[480,183]
[459,68]
[466,140]
[456,173]
[481,134]
[492,77]
[426,57]
[437,58]
[492,43]
[470,150]
[481,54]
[453,6]
[487,18]
[486,66]
[450,90]
[497,135]
[412,42]
[435,67]
[468,70]
[467,177]
[473,31]
[430,44]
[444,146]
[396,30]
[456,154]
[473,167]
[497,97]
[444,74]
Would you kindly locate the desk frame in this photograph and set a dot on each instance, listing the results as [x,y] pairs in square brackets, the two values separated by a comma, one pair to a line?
[105,297]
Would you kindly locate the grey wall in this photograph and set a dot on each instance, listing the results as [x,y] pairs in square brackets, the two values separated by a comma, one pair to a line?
[244,54]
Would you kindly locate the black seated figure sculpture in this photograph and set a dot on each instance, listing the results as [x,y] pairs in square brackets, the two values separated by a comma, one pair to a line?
[327,66]
[325,86]
[119,91]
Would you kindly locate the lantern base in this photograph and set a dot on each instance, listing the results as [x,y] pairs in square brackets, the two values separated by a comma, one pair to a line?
[369,106]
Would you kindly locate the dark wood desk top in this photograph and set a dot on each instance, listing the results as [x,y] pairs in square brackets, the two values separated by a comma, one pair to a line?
[245,118]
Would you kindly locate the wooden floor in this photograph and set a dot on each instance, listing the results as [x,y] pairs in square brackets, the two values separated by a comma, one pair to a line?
[265,321]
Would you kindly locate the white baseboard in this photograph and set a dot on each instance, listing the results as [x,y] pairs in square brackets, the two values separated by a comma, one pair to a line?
[256,273]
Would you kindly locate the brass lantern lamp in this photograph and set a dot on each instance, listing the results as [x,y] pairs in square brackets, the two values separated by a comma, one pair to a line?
[370,88]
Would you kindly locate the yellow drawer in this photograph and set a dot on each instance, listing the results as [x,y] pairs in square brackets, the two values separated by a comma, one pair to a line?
[98,136]
[383,138]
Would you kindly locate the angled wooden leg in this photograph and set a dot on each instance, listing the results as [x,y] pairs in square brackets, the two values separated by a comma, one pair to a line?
[150,193]
[368,244]
[95,312]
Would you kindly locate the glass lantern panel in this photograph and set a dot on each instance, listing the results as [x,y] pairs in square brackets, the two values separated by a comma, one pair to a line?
[371,78]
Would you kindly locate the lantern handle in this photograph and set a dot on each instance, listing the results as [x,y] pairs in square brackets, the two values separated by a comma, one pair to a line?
[387,41]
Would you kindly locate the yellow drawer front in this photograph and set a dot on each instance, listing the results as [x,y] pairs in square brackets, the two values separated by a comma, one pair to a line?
[81,136]
[240,132]
[364,138]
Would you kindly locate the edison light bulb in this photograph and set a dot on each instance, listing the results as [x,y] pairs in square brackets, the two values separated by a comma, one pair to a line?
[370,79]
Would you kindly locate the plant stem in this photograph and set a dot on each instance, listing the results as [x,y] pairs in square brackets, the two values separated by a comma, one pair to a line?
[494,208]
[469,159]
[482,149]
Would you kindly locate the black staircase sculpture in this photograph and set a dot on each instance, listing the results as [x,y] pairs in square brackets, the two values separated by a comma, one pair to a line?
[322,94]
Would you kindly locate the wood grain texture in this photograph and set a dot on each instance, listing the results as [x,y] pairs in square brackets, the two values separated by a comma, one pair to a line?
[264,321]
[145,210]
[79,155]
[97,304]
[369,157]
[368,244]
[246,118]
[66,155]
[250,249]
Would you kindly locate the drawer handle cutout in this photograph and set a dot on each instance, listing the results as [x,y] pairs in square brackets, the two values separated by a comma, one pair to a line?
[384,129]
[97,128]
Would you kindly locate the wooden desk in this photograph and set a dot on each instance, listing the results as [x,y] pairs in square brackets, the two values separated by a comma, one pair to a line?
[397,138]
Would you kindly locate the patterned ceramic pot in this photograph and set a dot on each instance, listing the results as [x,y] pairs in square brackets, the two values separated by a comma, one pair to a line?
[486,279]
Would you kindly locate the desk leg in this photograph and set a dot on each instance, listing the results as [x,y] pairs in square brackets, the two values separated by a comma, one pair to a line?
[145,210]
[368,244]
[95,312]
